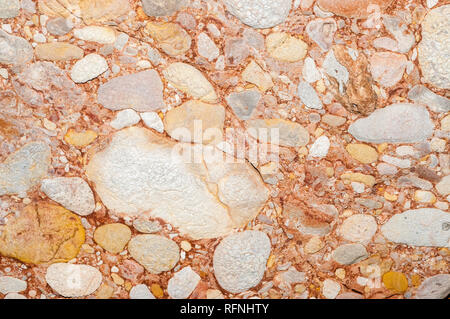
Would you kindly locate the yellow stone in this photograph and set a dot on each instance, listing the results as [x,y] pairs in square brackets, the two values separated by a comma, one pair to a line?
[395,281]
[172,38]
[194,118]
[422,196]
[87,248]
[117,279]
[128,285]
[58,51]
[285,47]
[157,290]
[80,139]
[329,171]
[42,233]
[390,197]
[367,180]
[362,153]
[253,73]
[340,273]
[382,147]
[299,288]
[271,261]
[104,292]
[113,237]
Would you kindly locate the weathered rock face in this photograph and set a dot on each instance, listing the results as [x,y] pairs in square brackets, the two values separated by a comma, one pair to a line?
[240,260]
[14,50]
[142,173]
[44,83]
[182,122]
[419,227]
[71,192]
[43,233]
[156,253]
[73,280]
[396,123]
[354,8]
[435,287]
[434,50]
[141,92]
[260,13]
[24,169]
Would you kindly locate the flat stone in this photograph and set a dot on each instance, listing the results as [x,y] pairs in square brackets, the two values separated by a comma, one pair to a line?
[73,193]
[183,283]
[43,83]
[420,94]
[434,287]
[320,147]
[88,68]
[348,254]
[9,8]
[73,280]
[179,192]
[125,118]
[396,123]
[358,228]
[260,13]
[10,284]
[159,8]
[98,34]
[24,169]
[113,237]
[142,92]
[172,38]
[362,153]
[419,227]
[434,50]
[152,120]
[309,96]
[195,121]
[146,226]
[191,81]
[206,47]
[43,233]
[156,253]
[387,67]
[58,51]
[366,179]
[80,139]
[285,47]
[253,73]
[354,8]
[243,103]
[240,260]
[321,31]
[141,291]
[443,187]
[14,50]
[278,131]
[333,120]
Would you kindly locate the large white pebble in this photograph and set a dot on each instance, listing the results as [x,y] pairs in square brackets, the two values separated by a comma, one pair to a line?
[183,283]
[88,68]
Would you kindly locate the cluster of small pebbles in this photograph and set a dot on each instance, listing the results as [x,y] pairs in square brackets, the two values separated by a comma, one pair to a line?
[135,160]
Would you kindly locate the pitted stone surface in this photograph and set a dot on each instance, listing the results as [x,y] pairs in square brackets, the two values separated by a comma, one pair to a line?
[142,172]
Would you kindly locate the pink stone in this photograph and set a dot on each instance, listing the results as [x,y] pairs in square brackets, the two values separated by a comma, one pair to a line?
[387,67]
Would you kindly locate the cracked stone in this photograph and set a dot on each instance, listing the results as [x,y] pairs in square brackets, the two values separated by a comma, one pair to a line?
[240,260]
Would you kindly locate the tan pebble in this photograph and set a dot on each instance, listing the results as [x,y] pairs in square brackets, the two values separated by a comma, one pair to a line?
[362,153]
[117,279]
[285,47]
[185,245]
[299,288]
[104,292]
[112,237]
[340,273]
[253,73]
[422,196]
[157,290]
[367,180]
[80,139]
[314,245]
[390,197]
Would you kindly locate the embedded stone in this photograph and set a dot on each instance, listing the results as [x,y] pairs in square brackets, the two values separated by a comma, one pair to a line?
[58,51]
[113,237]
[278,131]
[285,47]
